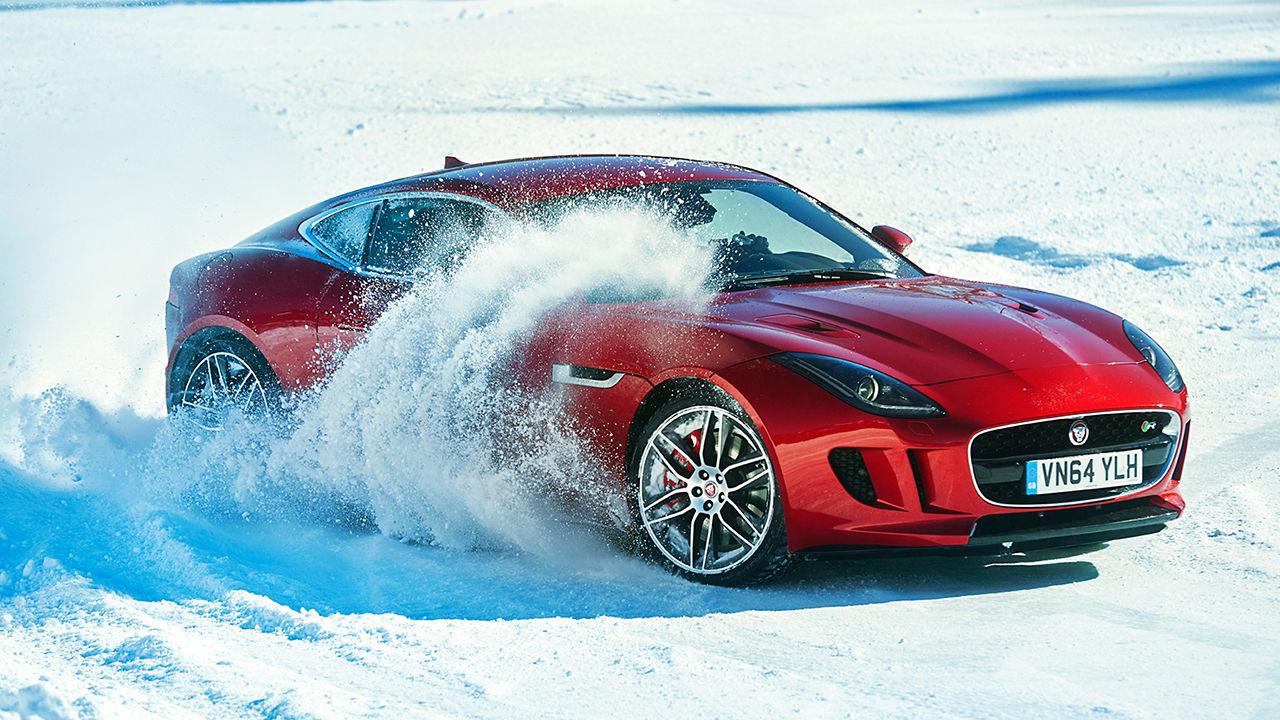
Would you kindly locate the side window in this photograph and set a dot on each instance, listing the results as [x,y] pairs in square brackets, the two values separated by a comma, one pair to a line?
[346,231]
[424,232]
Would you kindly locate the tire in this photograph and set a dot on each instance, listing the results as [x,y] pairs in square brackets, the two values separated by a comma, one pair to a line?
[708,512]
[218,374]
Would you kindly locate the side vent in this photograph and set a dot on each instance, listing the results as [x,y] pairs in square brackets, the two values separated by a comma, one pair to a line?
[585,376]
[851,471]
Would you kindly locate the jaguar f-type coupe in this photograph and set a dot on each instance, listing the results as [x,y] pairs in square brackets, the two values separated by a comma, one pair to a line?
[828,396]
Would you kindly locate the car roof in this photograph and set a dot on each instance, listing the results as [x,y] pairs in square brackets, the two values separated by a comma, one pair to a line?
[511,184]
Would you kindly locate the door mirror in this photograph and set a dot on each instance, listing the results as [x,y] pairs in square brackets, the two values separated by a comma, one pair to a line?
[892,238]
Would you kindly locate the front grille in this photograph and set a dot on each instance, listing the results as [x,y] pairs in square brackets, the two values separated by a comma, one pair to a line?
[851,471]
[999,457]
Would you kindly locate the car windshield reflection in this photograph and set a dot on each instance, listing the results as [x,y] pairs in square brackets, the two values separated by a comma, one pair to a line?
[759,232]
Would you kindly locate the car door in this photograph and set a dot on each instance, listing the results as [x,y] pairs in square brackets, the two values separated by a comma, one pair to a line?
[404,236]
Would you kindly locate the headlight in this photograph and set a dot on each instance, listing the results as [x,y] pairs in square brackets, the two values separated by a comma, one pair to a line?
[1155,355]
[864,388]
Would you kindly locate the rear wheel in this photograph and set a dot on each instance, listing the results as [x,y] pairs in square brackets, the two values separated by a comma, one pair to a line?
[218,375]
[704,494]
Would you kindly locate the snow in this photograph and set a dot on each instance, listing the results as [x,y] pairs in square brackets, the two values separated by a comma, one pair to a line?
[1122,153]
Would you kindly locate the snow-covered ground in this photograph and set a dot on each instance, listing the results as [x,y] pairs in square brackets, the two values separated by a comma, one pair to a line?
[1125,153]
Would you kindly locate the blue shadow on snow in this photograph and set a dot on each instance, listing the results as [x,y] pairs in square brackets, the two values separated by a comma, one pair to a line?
[1244,81]
[1017,247]
[160,554]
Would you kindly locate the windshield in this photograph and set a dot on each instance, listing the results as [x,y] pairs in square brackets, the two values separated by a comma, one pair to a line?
[759,232]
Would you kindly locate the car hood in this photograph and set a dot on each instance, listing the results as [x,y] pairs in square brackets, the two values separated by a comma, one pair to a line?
[927,330]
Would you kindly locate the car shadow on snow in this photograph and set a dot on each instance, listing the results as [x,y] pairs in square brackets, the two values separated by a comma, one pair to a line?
[376,574]
[844,583]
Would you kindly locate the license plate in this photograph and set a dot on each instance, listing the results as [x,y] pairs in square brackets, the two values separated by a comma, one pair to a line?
[1084,472]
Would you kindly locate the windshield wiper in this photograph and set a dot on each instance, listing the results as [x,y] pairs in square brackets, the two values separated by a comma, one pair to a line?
[801,276]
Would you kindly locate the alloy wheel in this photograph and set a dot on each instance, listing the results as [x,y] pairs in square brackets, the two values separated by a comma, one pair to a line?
[221,383]
[706,490]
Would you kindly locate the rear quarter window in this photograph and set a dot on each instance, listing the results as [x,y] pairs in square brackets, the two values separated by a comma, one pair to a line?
[345,232]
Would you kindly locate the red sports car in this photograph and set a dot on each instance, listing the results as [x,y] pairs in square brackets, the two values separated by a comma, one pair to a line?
[829,396]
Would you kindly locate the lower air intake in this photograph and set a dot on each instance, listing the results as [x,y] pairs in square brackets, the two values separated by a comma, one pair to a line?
[851,471]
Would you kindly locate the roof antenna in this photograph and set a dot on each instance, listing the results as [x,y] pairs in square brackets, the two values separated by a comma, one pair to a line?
[452,162]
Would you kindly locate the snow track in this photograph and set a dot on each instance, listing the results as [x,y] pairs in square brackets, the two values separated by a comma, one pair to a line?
[1122,153]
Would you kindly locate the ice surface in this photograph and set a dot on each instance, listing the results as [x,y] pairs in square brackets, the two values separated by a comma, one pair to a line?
[1122,153]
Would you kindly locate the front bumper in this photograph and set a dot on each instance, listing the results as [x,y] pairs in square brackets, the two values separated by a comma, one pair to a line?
[924,493]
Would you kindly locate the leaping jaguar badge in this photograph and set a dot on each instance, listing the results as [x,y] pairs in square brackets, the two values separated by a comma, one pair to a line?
[1079,433]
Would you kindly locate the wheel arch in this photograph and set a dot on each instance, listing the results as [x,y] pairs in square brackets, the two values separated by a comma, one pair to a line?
[209,330]
[659,395]
[211,323]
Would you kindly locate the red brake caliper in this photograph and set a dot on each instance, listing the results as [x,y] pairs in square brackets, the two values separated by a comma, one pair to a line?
[670,482]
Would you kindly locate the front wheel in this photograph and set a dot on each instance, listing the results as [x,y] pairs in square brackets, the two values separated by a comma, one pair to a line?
[704,493]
